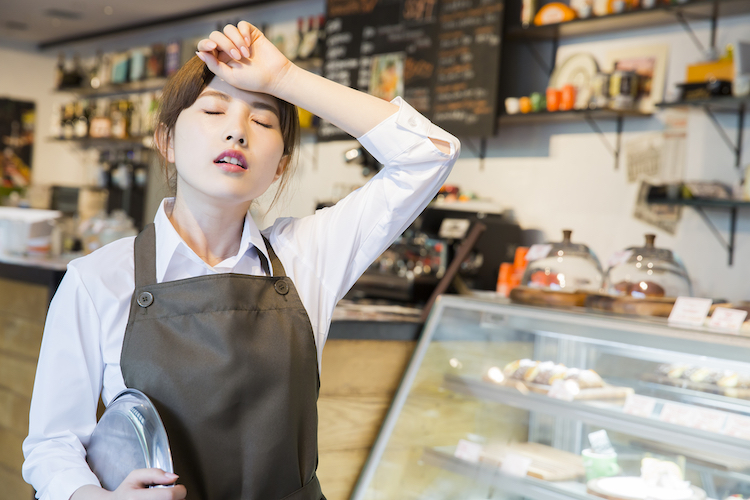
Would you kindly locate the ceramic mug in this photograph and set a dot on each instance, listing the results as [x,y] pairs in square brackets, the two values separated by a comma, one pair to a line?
[512,106]
[599,464]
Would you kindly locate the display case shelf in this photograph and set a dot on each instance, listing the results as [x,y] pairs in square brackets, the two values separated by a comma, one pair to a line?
[605,415]
[634,19]
[726,104]
[527,487]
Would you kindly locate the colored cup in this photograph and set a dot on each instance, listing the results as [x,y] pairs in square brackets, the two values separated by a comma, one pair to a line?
[553,99]
[536,101]
[525,104]
[599,464]
[567,97]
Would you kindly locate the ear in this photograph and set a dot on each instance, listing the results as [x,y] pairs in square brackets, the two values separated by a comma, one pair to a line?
[282,166]
[164,142]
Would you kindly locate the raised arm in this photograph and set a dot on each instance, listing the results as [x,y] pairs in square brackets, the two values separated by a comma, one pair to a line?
[244,58]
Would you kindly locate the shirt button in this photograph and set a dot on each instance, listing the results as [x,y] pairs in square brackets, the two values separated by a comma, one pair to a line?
[145,299]
[413,121]
[281,287]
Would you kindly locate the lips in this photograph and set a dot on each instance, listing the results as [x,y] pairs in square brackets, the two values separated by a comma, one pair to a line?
[231,157]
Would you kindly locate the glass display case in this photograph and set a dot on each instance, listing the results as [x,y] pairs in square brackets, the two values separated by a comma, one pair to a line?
[506,401]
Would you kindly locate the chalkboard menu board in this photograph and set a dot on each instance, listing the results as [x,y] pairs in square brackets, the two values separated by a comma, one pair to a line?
[441,56]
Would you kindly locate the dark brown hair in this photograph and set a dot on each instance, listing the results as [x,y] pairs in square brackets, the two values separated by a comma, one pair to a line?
[182,90]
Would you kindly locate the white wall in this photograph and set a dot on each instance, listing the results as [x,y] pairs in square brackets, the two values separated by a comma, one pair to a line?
[552,176]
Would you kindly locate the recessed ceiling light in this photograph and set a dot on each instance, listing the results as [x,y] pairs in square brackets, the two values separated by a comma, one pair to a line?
[109,10]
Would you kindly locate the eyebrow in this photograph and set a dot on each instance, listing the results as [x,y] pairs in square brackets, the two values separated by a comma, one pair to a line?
[254,104]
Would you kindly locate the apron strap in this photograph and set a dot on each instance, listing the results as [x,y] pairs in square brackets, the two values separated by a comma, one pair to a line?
[278,268]
[145,257]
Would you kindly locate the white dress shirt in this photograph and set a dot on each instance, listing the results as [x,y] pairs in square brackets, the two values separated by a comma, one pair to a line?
[323,254]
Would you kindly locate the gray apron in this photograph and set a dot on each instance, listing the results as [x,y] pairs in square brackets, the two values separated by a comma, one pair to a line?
[229,361]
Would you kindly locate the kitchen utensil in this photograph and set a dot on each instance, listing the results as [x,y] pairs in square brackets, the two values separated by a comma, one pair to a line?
[129,435]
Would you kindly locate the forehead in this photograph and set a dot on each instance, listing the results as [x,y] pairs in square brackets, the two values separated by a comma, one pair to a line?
[217,84]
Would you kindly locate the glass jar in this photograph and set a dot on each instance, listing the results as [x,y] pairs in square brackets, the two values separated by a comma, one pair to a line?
[567,267]
[648,272]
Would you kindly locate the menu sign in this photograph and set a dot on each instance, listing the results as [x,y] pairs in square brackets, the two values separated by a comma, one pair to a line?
[441,56]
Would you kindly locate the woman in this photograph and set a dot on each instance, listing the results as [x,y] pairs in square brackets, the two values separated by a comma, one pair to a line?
[222,326]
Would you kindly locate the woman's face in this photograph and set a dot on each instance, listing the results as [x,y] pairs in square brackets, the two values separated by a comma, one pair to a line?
[228,145]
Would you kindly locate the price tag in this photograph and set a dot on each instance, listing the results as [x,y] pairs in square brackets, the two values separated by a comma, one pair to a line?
[515,465]
[454,228]
[690,311]
[727,319]
[620,257]
[468,451]
[537,252]
[694,417]
[566,390]
[641,406]
[738,426]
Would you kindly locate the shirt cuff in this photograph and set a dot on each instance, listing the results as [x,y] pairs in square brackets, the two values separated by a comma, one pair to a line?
[398,133]
[64,484]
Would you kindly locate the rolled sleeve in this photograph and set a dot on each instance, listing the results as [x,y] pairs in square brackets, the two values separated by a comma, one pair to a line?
[403,131]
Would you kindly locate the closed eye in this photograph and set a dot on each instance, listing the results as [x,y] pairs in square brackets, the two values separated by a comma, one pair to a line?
[213,112]
[266,125]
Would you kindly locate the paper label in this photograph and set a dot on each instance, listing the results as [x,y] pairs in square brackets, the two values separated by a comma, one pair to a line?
[690,311]
[468,451]
[693,417]
[537,252]
[738,426]
[641,406]
[620,257]
[454,228]
[515,465]
[724,318]
[566,390]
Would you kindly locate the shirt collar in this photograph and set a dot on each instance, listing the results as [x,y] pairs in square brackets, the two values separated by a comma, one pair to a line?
[170,242]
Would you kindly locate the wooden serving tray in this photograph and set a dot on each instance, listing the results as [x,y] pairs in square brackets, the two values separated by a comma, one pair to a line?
[606,392]
[594,488]
[650,306]
[547,298]
[732,392]
[547,463]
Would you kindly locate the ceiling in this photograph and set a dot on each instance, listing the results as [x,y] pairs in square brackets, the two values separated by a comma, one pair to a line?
[42,23]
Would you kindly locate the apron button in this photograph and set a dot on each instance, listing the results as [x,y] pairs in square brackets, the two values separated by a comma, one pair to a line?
[145,299]
[281,287]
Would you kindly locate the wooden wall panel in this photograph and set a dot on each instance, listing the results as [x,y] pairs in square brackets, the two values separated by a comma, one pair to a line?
[358,381]
[23,308]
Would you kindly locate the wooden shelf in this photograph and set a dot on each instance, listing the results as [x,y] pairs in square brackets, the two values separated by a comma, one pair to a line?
[153,84]
[702,202]
[725,104]
[105,142]
[568,116]
[634,19]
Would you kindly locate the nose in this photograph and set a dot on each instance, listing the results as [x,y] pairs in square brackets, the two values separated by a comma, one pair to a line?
[239,139]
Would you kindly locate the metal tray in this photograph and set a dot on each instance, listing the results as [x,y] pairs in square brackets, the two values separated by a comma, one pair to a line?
[130,435]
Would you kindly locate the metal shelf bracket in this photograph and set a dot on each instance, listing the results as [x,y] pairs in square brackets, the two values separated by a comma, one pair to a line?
[735,147]
[728,245]
[614,150]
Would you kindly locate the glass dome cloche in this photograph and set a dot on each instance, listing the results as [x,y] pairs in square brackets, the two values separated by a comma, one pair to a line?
[648,272]
[568,267]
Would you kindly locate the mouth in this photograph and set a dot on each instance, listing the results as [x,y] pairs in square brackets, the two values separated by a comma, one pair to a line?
[231,157]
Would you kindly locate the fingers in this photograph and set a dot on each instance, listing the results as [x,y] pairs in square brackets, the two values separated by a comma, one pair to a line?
[249,32]
[143,478]
[230,42]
